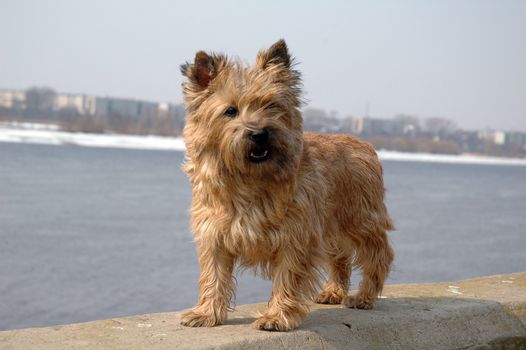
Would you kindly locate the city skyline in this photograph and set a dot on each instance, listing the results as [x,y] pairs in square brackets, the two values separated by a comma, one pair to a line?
[457,60]
[65,99]
[85,104]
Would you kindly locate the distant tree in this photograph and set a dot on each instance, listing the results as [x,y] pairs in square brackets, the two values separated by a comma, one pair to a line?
[439,127]
[408,119]
[410,124]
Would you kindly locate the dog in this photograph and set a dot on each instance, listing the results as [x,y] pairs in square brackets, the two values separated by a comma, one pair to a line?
[268,196]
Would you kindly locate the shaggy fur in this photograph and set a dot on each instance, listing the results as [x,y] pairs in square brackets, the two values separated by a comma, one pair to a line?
[290,204]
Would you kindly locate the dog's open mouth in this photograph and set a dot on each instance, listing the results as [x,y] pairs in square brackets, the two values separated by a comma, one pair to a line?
[258,155]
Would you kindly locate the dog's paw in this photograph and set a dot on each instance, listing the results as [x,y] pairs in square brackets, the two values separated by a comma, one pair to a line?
[357,302]
[330,297]
[196,319]
[273,323]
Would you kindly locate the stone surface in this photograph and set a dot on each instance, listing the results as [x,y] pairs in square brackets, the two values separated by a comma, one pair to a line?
[483,313]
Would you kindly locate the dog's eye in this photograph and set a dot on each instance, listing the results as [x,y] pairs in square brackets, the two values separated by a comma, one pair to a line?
[231,112]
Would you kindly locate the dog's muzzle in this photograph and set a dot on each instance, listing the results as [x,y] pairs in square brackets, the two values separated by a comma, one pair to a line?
[260,150]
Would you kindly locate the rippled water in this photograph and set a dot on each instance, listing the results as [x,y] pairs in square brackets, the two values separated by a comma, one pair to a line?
[88,233]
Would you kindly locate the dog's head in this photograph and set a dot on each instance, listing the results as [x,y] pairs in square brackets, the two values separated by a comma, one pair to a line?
[245,120]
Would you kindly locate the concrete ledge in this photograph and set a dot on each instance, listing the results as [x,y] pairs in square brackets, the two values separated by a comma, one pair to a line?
[483,313]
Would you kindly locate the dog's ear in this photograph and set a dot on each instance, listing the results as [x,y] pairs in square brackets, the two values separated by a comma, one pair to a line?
[204,69]
[276,54]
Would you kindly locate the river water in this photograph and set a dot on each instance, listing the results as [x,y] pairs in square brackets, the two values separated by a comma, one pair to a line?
[93,233]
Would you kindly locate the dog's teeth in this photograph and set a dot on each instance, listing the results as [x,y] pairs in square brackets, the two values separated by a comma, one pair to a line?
[259,155]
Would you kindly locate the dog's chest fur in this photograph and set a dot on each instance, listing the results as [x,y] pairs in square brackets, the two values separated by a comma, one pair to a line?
[244,218]
[247,216]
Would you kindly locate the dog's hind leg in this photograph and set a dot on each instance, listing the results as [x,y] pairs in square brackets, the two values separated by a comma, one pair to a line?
[374,255]
[337,285]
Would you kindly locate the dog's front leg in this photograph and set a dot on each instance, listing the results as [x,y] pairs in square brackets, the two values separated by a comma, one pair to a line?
[291,280]
[216,288]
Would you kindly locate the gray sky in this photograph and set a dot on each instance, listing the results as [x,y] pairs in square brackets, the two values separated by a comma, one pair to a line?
[464,60]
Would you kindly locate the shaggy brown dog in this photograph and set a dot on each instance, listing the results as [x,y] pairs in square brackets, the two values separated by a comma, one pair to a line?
[268,196]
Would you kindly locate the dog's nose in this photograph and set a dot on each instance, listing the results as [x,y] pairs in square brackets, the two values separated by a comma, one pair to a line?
[259,136]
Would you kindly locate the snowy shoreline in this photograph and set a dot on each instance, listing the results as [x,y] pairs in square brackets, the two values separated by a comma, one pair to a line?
[51,135]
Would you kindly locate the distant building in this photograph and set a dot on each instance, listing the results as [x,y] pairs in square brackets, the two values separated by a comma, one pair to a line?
[43,103]
[502,138]
[81,104]
[12,99]
[439,127]
[357,125]
[317,120]
[496,137]
[516,138]
[499,137]
[40,100]
[368,126]
[105,106]
[134,109]
[486,135]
